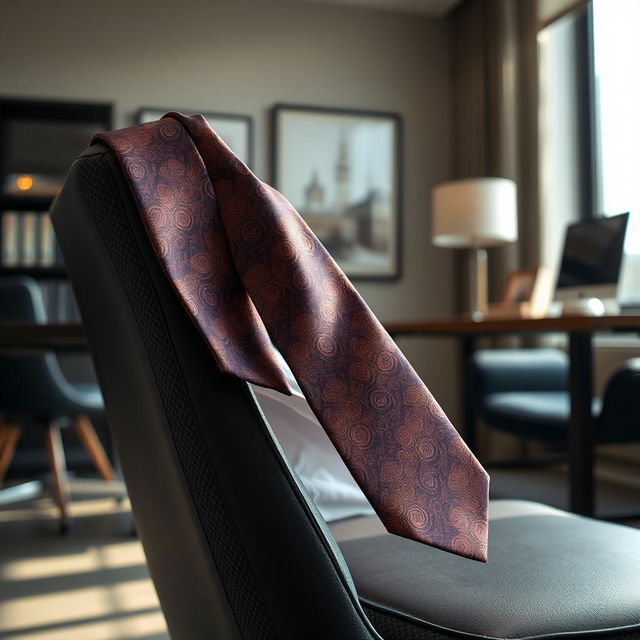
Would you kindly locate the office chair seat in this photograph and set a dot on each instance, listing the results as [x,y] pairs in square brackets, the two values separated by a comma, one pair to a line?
[538,583]
[533,414]
[234,544]
[525,392]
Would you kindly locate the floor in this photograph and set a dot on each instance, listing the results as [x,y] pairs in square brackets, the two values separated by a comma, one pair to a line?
[549,485]
[93,583]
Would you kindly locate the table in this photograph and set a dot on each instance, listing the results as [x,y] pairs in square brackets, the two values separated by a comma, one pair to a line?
[580,331]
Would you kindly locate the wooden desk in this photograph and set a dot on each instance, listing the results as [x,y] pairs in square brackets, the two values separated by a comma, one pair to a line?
[580,331]
[37,338]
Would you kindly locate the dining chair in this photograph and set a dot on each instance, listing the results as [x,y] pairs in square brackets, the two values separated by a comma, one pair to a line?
[235,546]
[35,394]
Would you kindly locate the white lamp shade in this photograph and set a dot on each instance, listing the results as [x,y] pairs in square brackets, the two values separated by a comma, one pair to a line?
[479,212]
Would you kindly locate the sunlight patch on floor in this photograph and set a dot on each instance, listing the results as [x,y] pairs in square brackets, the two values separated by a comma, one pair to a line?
[107,556]
[92,584]
[94,602]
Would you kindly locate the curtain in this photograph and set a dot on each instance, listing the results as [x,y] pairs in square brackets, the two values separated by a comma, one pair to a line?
[495,133]
[494,120]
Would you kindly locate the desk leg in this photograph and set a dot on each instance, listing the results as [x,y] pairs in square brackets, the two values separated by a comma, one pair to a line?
[581,425]
[469,418]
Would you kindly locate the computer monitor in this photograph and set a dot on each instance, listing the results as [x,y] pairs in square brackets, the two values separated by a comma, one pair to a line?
[591,259]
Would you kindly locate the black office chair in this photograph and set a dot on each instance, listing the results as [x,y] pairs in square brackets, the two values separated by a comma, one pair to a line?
[35,392]
[525,392]
[235,547]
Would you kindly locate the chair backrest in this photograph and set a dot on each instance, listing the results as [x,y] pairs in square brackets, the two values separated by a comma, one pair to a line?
[30,385]
[21,300]
[619,420]
[233,543]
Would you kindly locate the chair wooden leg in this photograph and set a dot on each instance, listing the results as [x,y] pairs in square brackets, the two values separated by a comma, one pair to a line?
[3,432]
[9,436]
[92,444]
[59,470]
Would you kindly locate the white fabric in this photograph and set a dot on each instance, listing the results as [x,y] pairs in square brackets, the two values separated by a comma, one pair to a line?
[311,453]
[323,472]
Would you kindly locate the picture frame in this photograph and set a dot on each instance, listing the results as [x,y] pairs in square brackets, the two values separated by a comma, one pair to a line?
[519,286]
[527,294]
[341,169]
[235,129]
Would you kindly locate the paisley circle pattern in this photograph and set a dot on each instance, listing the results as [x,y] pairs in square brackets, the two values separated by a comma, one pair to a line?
[157,216]
[361,373]
[136,169]
[417,517]
[360,435]
[386,361]
[335,391]
[251,231]
[351,409]
[285,250]
[183,218]
[251,273]
[171,167]
[326,345]
[380,400]
[426,449]
[202,264]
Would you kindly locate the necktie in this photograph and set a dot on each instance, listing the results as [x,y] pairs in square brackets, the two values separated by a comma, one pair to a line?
[250,273]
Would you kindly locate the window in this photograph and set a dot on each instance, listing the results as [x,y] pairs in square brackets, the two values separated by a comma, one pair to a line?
[566,194]
[616,56]
[590,127]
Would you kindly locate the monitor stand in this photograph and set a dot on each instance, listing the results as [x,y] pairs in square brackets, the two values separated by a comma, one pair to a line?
[588,307]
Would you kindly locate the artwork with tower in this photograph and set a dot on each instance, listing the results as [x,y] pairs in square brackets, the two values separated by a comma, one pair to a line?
[340,170]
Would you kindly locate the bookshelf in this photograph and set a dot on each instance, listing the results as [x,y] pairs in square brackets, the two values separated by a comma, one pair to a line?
[39,139]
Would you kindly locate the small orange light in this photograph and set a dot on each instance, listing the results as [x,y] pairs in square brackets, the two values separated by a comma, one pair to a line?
[24,183]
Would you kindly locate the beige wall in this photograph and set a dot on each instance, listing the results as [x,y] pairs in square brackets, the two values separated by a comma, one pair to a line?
[244,56]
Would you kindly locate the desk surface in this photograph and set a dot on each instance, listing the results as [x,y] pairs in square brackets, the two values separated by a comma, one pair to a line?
[72,336]
[458,325]
[39,337]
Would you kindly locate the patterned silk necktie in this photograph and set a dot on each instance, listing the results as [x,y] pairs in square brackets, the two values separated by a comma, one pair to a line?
[251,273]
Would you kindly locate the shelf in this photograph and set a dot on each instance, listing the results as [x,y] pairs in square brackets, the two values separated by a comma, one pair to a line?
[25,203]
[35,272]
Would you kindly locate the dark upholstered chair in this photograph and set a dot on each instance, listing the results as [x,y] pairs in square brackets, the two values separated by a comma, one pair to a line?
[525,392]
[35,392]
[235,547]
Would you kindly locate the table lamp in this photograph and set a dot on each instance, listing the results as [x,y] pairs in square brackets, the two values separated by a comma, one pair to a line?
[475,213]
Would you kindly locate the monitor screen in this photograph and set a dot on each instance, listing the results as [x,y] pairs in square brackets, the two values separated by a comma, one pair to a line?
[593,252]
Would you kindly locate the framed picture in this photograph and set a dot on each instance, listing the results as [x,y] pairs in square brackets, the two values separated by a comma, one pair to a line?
[236,130]
[341,170]
[526,293]
[519,286]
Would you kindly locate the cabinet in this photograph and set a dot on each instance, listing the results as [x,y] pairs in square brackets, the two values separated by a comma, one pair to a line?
[39,139]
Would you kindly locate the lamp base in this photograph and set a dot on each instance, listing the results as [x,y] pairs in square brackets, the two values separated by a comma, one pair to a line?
[478,283]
